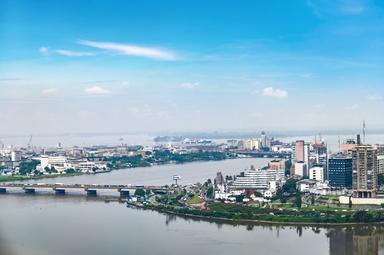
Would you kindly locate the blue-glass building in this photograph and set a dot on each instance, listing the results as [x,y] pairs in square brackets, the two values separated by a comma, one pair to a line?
[340,171]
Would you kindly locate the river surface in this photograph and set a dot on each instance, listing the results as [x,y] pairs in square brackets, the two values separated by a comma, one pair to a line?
[54,225]
[162,174]
[44,224]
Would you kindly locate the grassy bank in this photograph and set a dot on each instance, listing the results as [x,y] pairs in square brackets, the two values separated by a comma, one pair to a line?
[250,214]
[26,178]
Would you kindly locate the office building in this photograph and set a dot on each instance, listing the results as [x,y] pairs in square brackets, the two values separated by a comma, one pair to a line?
[258,179]
[277,164]
[251,144]
[301,169]
[317,173]
[16,156]
[380,164]
[340,171]
[364,171]
[299,151]
[348,146]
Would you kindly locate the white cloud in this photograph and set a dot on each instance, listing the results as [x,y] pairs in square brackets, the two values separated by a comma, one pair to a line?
[96,90]
[189,85]
[375,98]
[69,53]
[271,92]
[44,51]
[131,50]
[337,7]
[50,92]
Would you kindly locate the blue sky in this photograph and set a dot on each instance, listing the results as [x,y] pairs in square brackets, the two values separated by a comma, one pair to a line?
[106,66]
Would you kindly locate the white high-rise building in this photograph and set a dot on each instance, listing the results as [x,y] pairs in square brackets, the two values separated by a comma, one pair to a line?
[380,164]
[251,144]
[16,156]
[316,173]
[258,179]
[301,169]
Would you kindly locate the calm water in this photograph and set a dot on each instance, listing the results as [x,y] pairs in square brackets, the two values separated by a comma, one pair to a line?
[162,174]
[44,224]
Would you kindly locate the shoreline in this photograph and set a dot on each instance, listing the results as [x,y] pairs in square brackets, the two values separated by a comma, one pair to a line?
[26,178]
[257,222]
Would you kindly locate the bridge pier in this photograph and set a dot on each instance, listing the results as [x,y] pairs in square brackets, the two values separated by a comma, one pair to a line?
[3,190]
[91,192]
[29,191]
[60,191]
[124,193]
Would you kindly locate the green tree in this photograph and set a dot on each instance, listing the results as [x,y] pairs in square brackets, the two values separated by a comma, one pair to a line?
[27,167]
[70,171]
[210,192]
[298,200]
[239,198]
[140,193]
[290,186]
[288,166]
[47,169]
[361,216]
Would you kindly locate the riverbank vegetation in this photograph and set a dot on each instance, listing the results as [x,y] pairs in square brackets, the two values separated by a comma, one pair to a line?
[11,178]
[164,157]
[309,215]
[27,169]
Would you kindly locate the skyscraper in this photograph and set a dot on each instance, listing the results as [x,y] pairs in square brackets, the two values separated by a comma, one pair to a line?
[340,171]
[380,164]
[364,171]
[299,151]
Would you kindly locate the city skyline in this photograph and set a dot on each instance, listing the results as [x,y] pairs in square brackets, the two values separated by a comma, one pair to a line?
[149,66]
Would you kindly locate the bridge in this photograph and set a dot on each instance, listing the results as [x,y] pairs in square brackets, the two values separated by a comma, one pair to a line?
[90,189]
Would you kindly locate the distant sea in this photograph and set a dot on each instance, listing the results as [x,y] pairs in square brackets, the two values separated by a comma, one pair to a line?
[68,140]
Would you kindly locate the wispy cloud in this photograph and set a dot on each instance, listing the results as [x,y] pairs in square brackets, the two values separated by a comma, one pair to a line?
[69,53]
[50,92]
[306,75]
[97,90]
[44,50]
[9,79]
[338,7]
[271,92]
[189,85]
[131,50]
[375,98]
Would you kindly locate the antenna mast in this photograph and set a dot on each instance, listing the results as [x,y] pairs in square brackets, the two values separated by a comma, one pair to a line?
[364,131]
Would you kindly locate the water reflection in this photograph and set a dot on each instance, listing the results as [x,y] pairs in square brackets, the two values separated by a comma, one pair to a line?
[353,240]
[4,249]
[105,227]
[356,241]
